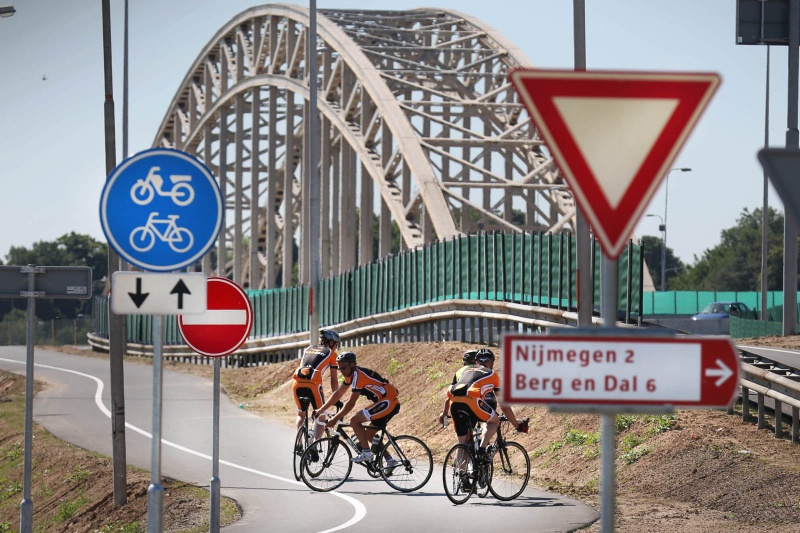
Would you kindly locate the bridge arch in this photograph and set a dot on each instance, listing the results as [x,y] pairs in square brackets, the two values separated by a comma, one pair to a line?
[421,132]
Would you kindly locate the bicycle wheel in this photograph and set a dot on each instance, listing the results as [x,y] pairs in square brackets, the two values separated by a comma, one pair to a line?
[512,469]
[300,445]
[142,239]
[407,464]
[458,474]
[326,464]
[180,240]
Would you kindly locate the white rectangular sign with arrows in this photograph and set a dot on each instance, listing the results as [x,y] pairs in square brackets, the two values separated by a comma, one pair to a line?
[147,293]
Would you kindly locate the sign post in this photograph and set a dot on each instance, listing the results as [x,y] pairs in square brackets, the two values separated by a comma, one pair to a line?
[161,210]
[613,177]
[219,331]
[33,282]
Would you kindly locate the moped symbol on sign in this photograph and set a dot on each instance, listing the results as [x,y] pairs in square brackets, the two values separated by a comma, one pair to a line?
[161,209]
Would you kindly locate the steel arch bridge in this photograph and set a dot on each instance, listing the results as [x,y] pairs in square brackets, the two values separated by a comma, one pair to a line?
[419,128]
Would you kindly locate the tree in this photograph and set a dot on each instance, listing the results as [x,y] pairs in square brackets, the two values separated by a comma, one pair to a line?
[735,263]
[651,250]
[72,249]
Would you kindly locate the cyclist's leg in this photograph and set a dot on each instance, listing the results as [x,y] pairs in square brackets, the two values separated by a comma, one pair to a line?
[302,397]
[487,413]
[463,421]
[318,400]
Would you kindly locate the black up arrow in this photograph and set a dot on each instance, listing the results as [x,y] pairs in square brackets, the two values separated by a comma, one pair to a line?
[137,297]
[180,289]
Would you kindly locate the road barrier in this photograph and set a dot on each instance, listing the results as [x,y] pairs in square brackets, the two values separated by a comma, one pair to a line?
[772,381]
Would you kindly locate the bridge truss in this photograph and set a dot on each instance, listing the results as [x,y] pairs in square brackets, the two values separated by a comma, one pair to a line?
[422,138]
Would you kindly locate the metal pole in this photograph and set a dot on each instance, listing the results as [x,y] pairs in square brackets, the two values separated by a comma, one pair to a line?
[765,209]
[215,486]
[155,492]
[26,507]
[116,340]
[608,426]
[790,224]
[582,233]
[314,187]
[664,241]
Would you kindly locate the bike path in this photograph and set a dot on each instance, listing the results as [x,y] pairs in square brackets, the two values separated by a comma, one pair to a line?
[255,458]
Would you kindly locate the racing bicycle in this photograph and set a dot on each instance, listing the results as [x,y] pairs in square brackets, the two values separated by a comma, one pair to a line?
[505,471]
[404,462]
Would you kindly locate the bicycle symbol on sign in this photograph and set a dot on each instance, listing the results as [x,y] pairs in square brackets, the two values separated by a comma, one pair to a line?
[144,190]
[144,237]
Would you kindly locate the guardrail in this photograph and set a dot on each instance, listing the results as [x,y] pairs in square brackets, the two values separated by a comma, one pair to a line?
[470,321]
[770,380]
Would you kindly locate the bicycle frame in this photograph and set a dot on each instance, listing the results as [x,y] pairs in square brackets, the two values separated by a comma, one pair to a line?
[372,465]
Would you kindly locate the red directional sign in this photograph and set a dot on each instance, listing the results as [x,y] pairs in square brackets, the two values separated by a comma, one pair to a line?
[620,370]
[225,324]
[614,135]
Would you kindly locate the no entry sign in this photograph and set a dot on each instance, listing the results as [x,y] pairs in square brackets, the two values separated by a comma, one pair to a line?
[620,370]
[225,324]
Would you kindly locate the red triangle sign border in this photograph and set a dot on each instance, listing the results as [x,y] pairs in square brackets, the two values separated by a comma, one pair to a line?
[538,89]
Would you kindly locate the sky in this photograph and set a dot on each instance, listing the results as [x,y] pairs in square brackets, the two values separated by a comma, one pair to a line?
[52,144]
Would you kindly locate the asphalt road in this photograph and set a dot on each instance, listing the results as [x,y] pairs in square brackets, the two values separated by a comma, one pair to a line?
[784,356]
[255,457]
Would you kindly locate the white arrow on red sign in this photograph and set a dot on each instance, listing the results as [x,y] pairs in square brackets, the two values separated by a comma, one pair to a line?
[226,323]
[623,370]
[614,135]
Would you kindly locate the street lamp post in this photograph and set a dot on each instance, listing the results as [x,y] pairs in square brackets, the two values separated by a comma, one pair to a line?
[7,11]
[664,249]
[663,229]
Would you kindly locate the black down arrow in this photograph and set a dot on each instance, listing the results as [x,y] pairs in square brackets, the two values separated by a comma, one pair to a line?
[137,297]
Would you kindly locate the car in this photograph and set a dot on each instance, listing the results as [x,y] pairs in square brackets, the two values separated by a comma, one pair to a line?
[716,310]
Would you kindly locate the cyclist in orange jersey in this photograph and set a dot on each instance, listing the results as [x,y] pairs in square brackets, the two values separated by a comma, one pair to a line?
[473,399]
[307,385]
[469,361]
[370,384]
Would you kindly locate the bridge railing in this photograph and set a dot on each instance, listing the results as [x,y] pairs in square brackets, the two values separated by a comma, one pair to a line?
[527,279]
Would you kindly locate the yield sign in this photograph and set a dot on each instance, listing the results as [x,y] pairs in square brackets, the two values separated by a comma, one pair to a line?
[225,324]
[783,168]
[614,135]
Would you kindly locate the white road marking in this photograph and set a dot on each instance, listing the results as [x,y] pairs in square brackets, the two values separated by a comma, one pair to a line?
[360,509]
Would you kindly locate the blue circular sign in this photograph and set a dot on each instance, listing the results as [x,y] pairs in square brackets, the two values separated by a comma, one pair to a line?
[161,209]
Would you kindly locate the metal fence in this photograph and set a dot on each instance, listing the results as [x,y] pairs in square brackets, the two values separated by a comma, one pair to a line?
[530,269]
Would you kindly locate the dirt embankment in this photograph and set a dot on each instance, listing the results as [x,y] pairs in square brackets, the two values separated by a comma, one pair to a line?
[696,471]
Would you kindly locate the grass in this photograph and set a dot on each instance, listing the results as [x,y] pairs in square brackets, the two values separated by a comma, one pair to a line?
[637,430]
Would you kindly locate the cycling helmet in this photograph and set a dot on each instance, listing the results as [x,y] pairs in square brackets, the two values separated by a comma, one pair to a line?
[326,335]
[469,357]
[485,354]
[349,357]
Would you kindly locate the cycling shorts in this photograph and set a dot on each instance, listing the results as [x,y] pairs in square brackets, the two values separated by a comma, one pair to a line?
[307,391]
[470,410]
[379,413]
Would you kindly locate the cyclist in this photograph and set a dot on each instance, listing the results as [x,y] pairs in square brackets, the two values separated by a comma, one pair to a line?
[307,385]
[473,398]
[370,384]
[469,361]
